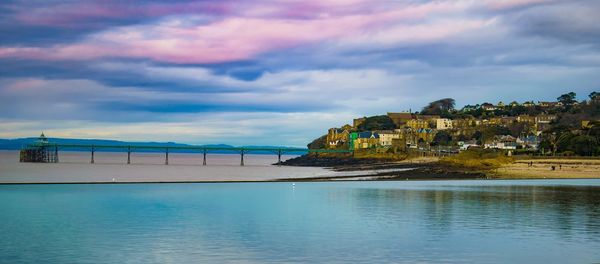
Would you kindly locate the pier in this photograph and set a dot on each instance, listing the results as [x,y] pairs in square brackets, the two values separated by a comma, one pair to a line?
[43,151]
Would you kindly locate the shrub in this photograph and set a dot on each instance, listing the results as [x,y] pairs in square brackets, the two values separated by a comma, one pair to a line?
[478,159]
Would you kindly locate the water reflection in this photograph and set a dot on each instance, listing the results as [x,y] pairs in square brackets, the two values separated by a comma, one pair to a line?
[568,211]
[359,222]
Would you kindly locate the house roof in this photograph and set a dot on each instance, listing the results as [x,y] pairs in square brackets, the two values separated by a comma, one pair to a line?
[400,115]
[386,132]
[424,130]
[505,138]
[530,138]
[368,135]
[427,116]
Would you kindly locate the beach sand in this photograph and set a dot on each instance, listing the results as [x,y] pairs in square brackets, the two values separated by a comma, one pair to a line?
[542,168]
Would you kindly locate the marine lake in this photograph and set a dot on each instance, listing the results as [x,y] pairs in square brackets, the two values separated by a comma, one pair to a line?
[482,221]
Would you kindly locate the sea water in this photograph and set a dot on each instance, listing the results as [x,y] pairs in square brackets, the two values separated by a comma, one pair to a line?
[537,221]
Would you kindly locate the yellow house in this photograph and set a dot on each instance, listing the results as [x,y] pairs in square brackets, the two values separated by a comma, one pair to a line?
[366,140]
[526,119]
[544,119]
[464,123]
[417,123]
[425,135]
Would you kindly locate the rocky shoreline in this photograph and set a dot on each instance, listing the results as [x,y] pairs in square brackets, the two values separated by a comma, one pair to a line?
[391,169]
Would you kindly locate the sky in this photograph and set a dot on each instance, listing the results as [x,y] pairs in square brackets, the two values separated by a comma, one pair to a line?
[277,72]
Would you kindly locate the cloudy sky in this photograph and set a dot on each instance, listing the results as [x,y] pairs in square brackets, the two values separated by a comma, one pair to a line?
[277,72]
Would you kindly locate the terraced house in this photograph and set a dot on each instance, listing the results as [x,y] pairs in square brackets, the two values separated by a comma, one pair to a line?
[502,126]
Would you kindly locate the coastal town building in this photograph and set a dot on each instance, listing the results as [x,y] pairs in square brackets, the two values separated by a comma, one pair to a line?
[530,142]
[464,145]
[505,142]
[401,118]
[550,104]
[526,119]
[464,123]
[546,119]
[443,124]
[529,104]
[365,140]
[338,137]
[522,128]
[386,138]
[488,107]
[504,120]
[418,123]
[425,135]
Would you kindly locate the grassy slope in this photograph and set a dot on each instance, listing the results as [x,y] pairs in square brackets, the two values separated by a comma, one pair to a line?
[477,160]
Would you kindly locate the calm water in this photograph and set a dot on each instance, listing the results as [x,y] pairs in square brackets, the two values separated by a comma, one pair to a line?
[359,222]
[149,167]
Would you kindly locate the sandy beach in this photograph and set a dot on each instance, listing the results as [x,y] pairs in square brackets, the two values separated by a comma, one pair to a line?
[542,168]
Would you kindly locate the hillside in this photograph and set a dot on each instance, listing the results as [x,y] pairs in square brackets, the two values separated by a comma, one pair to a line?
[18,143]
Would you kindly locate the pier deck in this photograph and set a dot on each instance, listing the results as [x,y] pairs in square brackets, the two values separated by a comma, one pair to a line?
[204,150]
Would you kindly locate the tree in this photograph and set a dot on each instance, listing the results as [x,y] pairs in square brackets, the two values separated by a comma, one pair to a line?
[462,137]
[584,145]
[567,99]
[318,143]
[478,135]
[442,138]
[519,129]
[382,122]
[595,96]
[439,107]
[491,131]
[563,142]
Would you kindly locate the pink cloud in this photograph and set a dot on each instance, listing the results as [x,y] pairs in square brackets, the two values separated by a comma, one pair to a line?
[75,14]
[504,4]
[239,38]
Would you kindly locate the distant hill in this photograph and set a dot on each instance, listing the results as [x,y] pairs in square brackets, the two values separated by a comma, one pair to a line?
[18,143]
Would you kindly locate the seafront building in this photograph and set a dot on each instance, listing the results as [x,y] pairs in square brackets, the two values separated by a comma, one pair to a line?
[418,131]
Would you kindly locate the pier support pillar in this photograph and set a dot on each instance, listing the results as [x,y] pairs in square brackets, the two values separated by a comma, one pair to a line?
[279,157]
[128,155]
[204,158]
[167,157]
[55,154]
[92,159]
[242,158]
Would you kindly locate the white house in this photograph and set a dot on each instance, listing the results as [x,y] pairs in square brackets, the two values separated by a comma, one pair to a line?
[386,137]
[443,123]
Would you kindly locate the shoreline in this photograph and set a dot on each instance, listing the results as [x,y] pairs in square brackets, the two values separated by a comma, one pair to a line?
[300,180]
[332,169]
[432,168]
